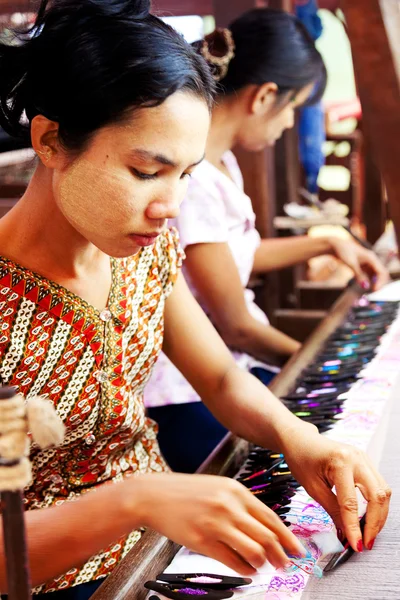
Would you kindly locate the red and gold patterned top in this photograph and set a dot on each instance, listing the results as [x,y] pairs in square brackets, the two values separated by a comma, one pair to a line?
[93,366]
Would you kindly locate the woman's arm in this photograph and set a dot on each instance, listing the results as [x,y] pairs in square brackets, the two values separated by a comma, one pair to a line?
[247,407]
[273,254]
[238,400]
[62,537]
[213,272]
[278,253]
[211,515]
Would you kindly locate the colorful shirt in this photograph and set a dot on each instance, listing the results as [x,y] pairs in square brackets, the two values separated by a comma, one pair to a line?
[93,366]
[215,210]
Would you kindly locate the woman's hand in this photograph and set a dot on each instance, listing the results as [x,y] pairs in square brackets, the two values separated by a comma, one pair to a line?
[362,262]
[215,516]
[320,464]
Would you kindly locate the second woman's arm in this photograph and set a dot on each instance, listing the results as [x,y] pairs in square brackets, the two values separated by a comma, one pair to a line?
[278,253]
[214,273]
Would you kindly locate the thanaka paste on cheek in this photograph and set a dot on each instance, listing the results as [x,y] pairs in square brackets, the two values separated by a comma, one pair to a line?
[97,200]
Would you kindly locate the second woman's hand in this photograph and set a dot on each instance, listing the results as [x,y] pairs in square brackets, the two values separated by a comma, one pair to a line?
[364,263]
[215,516]
[320,464]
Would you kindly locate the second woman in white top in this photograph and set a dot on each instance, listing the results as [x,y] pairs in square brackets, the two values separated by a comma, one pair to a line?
[269,66]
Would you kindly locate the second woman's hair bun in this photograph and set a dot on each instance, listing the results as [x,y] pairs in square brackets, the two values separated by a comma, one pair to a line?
[218,49]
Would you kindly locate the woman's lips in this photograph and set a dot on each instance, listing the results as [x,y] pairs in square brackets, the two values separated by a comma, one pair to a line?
[144,240]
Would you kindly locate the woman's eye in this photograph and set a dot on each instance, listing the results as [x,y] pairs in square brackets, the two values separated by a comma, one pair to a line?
[142,175]
[147,176]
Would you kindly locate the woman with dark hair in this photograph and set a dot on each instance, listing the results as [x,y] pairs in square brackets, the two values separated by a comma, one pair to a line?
[117,106]
[266,66]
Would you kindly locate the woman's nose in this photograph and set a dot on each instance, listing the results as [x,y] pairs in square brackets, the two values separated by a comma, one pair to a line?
[165,206]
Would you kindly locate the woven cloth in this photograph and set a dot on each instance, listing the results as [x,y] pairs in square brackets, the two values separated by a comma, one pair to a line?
[372,575]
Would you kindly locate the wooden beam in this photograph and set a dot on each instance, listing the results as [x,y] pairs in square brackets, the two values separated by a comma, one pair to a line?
[286,5]
[12,6]
[329,4]
[314,295]
[373,28]
[298,324]
[225,12]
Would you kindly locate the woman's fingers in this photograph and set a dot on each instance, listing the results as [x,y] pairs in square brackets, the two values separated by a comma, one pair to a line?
[256,553]
[354,264]
[328,500]
[226,555]
[343,508]
[348,505]
[376,491]
[355,470]
[377,272]
[276,548]
[270,522]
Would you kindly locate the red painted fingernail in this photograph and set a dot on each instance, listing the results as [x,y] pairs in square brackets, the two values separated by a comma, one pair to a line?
[359,546]
[371,544]
[340,534]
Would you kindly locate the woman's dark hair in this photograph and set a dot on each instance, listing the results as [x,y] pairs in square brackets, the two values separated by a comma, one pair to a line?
[86,63]
[270,46]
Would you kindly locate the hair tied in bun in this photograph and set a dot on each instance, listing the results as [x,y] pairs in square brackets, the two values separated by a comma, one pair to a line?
[218,49]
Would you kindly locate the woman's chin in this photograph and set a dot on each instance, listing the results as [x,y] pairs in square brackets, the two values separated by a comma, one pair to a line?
[122,250]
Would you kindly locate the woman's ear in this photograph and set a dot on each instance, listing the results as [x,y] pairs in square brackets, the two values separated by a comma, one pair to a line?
[264,98]
[44,137]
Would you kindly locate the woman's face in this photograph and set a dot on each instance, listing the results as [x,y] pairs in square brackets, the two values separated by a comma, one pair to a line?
[119,193]
[264,128]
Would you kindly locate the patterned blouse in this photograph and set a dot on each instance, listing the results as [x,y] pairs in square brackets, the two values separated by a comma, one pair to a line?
[93,366]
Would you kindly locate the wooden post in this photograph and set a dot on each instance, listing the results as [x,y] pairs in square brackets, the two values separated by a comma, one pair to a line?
[286,5]
[375,207]
[15,548]
[13,6]
[225,12]
[258,169]
[18,578]
[373,28]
